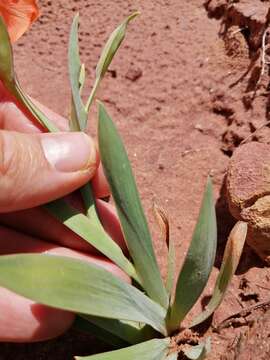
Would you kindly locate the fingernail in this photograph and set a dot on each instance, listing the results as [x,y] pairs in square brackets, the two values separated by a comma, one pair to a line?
[69,152]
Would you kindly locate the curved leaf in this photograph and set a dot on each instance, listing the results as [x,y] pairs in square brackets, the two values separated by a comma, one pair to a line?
[198,263]
[8,77]
[78,286]
[76,74]
[86,326]
[6,57]
[25,101]
[123,187]
[231,258]
[91,230]
[131,332]
[150,350]
[108,52]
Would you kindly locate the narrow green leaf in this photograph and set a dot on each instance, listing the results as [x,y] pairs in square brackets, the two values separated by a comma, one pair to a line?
[77,77]
[89,202]
[78,118]
[112,46]
[170,268]
[150,350]
[25,100]
[8,77]
[131,332]
[199,352]
[78,286]
[229,265]
[108,52]
[86,326]
[73,121]
[198,262]
[90,229]
[6,58]
[123,187]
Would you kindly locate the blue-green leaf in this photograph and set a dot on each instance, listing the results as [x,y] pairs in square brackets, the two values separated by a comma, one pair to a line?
[123,187]
[150,350]
[231,258]
[78,286]
[79,115]
[8,78]
[131,332]
[198,263]
[108,52]
[86,326]
[90,229]
[6,57]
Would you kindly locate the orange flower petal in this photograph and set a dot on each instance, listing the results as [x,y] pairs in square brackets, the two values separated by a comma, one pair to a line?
[18,16]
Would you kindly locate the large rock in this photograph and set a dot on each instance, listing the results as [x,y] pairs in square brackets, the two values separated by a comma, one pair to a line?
[248,193]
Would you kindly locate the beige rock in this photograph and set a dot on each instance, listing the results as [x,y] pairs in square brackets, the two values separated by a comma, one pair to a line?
[248,193]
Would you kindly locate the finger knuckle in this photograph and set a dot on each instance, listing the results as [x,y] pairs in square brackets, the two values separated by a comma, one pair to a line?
[15,163]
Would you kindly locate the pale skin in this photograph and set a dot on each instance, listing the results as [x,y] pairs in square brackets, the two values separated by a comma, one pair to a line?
[36,168]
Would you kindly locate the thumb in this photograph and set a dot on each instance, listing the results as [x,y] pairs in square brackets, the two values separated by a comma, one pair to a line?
[38,168]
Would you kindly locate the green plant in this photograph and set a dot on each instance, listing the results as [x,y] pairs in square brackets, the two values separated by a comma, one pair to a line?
[142,320]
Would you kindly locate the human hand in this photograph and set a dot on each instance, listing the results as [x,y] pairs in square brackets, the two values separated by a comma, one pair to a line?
[36,168]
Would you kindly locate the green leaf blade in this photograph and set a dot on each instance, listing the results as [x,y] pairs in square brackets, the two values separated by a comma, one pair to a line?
[108,53]
[199,261]
[79,115]
[131,332]
[91,230]
[123,187]
[8,77]
[150,350]
[231,258]
[25,100]
[171,268]
[7,74]
[112,46]
[107,337]
[78,286]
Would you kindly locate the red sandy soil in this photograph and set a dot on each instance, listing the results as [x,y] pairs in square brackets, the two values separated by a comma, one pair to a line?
[174,93]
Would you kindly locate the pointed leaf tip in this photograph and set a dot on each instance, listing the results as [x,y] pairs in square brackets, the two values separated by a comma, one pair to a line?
[78,119]
[199,260]
[78,286]
[231,258]
[133,15]
[107,55]
[112,45]
[120,177]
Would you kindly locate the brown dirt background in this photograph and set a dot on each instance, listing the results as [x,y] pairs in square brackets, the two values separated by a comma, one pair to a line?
[170,92]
